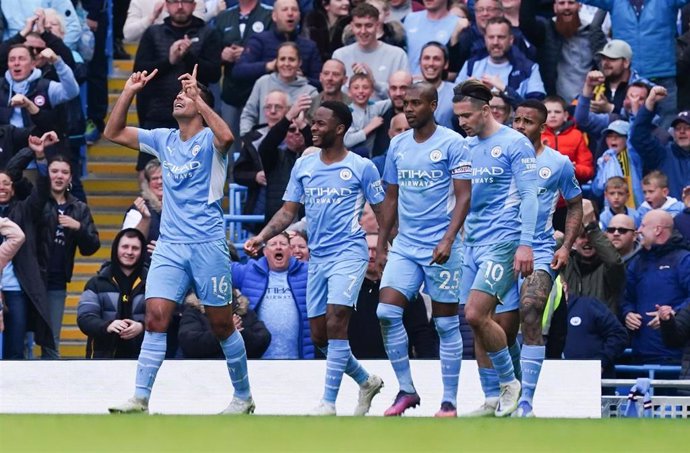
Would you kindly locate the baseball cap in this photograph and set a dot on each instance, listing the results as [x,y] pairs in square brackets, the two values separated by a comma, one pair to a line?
[615,49]
[620,127]
[683,117]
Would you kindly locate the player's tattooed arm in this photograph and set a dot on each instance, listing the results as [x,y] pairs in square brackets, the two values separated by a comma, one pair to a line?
[281,220]
[573,223]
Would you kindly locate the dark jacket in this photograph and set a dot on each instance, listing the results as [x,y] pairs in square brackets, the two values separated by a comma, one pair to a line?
[86,238]
[604,278]
[252,281]
[104,301]
[12,139]
[682,223]
[683,62]
[236,92]
[27,214]
[594,333]
[670,159]
[326,39]
[676,333]
[155,101]
[263,47]
[197,341]
[277,162]
[364,330]
[542,33]
[244,171]
[658,276]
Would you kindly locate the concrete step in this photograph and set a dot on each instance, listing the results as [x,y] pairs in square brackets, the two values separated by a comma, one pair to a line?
[72,300]
[107,235]
[72,333]
[108,151]
[112,186]
[124,65]
[87,267]
[111,168]
[132,118]
[72,349]
[109,202]
[108,219]
[112,98]
[102,253]
[69,318]
[116,83]
[131,48]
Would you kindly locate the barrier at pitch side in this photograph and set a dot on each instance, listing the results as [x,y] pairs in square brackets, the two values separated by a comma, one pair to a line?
[566,388]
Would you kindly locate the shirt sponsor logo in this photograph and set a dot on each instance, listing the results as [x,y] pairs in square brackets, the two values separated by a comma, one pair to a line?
[436,155]
[182,171]
[484,175]
[326,195]
[418,178]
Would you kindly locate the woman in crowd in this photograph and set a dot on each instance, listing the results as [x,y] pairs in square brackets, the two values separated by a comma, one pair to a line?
[325,23]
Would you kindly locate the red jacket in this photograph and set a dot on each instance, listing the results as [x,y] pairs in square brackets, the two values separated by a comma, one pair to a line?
[570,142]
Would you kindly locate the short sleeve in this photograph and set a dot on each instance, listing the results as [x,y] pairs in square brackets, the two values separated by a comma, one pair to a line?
[294,191]
[147,142]
[390,170]
[371,183]
[459,160]
[569,186]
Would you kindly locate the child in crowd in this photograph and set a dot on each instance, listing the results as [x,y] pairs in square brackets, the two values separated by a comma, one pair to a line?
[617,195]
[655,188]
[619,160]
[367,116]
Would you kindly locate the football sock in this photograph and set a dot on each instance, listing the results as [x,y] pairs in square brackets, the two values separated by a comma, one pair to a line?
[150,359]
[448,328]
[503,365]
[336,361]
[395,343]
[236,359]
[532,359]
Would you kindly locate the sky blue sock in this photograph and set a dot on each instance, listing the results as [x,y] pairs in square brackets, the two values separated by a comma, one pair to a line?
[489,380]
[503,365]
[514,350]
[150,359]
[448,328]
[395,343]
[338,355]
[236,359]
[353,369]
[532,359]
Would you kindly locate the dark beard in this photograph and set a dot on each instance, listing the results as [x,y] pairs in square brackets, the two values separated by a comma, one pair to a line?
[568,29]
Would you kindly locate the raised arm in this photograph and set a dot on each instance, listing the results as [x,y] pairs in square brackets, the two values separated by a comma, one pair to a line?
[642,139]
[116,130]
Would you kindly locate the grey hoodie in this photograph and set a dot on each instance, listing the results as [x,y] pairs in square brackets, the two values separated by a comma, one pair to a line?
[253,113]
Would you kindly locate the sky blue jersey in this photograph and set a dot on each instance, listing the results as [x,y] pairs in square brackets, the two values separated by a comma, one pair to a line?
[504,189]
[424,173]
[194,174]
[333,196]
[555,175]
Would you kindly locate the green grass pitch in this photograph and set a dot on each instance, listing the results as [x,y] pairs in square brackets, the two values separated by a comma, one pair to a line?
[95,433]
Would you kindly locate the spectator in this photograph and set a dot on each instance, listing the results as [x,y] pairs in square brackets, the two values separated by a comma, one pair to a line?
[16,14]
[673,159]
[280,149]
[398,125]
[286,79]
[145,213]
[13,238]
[261,49]
[368,55]
[658,275]
[652,38]
[119,10]
[617,197]
[144,13]
[506,70]
[501,110]
[567,47]
[401,8]
[398,83]
[23,288]
[562,134]
[595,268]
[12,140]
[298,246]
[112,307]
[655,187]
[173,47]
[683,61]
[675,332]
[682,220]
[67,224]
[621,232]
[433,64]
[236,25]
[616,57]
[619,160]
[366,115]
[332,77]
[434,24]
[364,330]
[594,333]
[470,42]
[197,340]
[389,31]
[325,25]
[276,286]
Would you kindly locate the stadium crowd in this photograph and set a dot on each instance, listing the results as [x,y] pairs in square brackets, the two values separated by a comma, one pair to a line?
[613,75]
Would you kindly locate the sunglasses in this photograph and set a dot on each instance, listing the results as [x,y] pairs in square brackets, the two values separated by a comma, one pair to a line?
[292,130]
[619,230]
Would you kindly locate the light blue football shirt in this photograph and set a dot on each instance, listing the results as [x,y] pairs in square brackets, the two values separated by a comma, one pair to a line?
[555,175]
[504,191]
[194,174]
[424,173]
[333,196]
[420,30]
